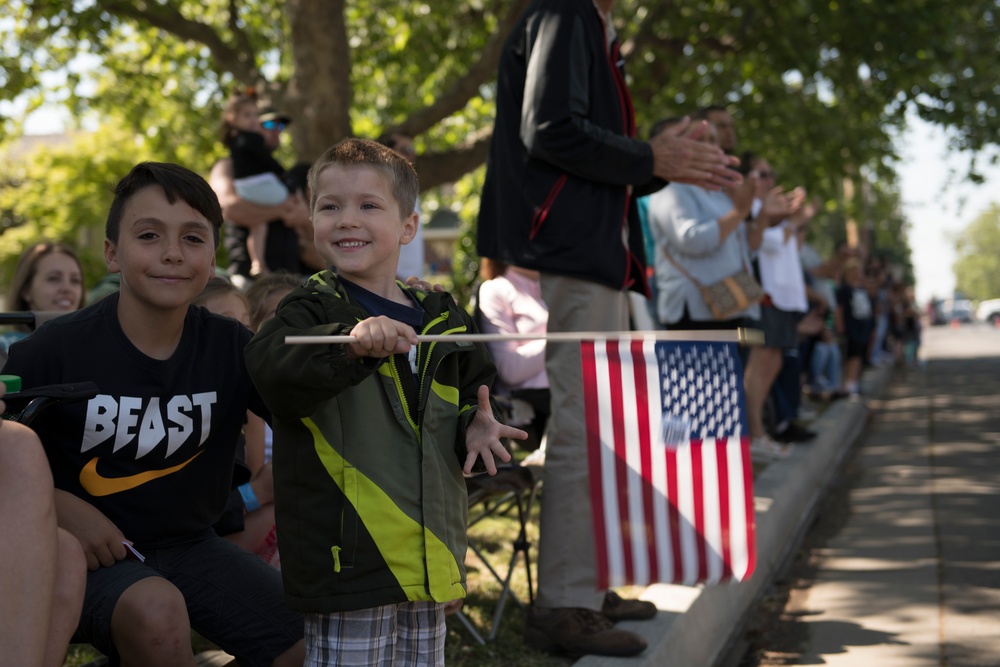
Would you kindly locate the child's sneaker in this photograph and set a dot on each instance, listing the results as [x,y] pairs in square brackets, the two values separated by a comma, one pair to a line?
[765,450]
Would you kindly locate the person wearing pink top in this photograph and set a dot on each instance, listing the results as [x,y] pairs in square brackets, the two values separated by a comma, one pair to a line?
[510,301]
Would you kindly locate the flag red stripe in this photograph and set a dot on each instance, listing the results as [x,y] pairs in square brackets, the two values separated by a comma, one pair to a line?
[675,518]
[722,457]
[621,459]
[698,491]
[748,503]
[643,402]
[593,412]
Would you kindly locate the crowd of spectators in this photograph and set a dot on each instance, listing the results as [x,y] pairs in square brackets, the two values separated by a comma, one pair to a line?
[824,319]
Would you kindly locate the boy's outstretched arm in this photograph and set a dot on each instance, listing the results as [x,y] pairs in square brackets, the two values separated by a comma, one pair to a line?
[482,437]
[100,538]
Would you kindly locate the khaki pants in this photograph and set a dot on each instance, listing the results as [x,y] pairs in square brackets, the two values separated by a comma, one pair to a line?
[566,562]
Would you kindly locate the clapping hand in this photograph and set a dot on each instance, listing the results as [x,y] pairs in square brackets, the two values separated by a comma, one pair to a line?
[679,156]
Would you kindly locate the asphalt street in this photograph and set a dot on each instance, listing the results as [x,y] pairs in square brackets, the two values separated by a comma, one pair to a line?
[913,577]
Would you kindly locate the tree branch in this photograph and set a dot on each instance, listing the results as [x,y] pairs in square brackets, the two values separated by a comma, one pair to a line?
[239,34]
[166,17]
[447,167]
[646,37]
[645,34]
[465,87]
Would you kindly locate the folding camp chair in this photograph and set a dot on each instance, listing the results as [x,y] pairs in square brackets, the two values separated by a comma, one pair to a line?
[24,406]
[514,487]
[31,318]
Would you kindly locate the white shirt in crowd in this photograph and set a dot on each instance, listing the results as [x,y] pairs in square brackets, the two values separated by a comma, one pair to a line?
[781,270]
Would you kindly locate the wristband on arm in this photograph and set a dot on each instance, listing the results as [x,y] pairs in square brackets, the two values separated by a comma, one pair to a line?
[249,497]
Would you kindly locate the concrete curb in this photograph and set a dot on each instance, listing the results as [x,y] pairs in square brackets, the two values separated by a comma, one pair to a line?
[697,624]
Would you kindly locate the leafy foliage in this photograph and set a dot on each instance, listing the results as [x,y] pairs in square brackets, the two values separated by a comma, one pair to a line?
[820,88]
[977,263]
[63,194]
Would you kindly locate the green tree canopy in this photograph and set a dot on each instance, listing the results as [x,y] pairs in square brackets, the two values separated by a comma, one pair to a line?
[820,88]
[977,262]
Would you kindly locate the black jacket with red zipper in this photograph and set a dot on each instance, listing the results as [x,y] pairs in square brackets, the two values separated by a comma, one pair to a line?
[563,164]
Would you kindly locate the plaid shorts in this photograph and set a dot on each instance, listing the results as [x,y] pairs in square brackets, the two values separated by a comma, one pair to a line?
[403,635]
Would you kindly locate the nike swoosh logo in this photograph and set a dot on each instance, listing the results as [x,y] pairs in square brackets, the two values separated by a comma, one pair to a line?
[98,485]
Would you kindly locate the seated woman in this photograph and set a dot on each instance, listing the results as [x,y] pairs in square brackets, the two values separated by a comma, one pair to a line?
[48,279]
[510,301]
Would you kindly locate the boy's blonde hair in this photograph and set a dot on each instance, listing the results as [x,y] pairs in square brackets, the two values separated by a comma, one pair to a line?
[398,173]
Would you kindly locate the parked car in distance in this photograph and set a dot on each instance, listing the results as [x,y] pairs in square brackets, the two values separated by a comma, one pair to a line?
[961,310]
[989,311]
[944,311]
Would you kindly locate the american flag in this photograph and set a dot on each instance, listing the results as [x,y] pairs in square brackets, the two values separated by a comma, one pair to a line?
[670,473]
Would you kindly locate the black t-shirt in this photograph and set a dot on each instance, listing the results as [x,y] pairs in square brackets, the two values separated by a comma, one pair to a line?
[376,305]
[856,307]
[251,156]
[155,449]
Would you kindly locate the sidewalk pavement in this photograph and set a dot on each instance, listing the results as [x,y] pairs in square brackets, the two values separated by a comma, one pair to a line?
[697,625]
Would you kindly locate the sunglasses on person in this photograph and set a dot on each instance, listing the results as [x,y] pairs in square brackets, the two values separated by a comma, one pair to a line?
[274,125]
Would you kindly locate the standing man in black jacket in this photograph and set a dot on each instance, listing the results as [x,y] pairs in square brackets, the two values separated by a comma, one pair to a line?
[561,175]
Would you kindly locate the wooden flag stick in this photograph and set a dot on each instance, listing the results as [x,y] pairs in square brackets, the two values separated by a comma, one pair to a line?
[741,336]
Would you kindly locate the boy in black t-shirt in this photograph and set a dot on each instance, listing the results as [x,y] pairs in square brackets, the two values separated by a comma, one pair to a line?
[143,470]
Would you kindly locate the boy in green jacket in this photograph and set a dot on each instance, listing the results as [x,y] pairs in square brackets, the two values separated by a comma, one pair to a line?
[372,437]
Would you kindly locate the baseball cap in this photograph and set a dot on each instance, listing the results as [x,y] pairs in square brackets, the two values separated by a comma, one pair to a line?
[271,114]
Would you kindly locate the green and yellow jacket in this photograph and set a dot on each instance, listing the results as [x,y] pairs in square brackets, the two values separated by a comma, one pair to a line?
[371,503]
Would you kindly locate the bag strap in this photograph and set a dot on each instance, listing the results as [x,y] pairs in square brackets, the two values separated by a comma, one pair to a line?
[666,255]
[680,268]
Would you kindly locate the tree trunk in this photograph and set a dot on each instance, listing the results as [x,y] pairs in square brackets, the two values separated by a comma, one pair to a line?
[319,93]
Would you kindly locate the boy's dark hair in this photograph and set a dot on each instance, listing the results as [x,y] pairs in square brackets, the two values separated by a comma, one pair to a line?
[398,172]
[177,182]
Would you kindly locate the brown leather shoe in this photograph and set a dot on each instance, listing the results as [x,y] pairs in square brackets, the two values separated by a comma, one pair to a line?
[617,608]
[579,632]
